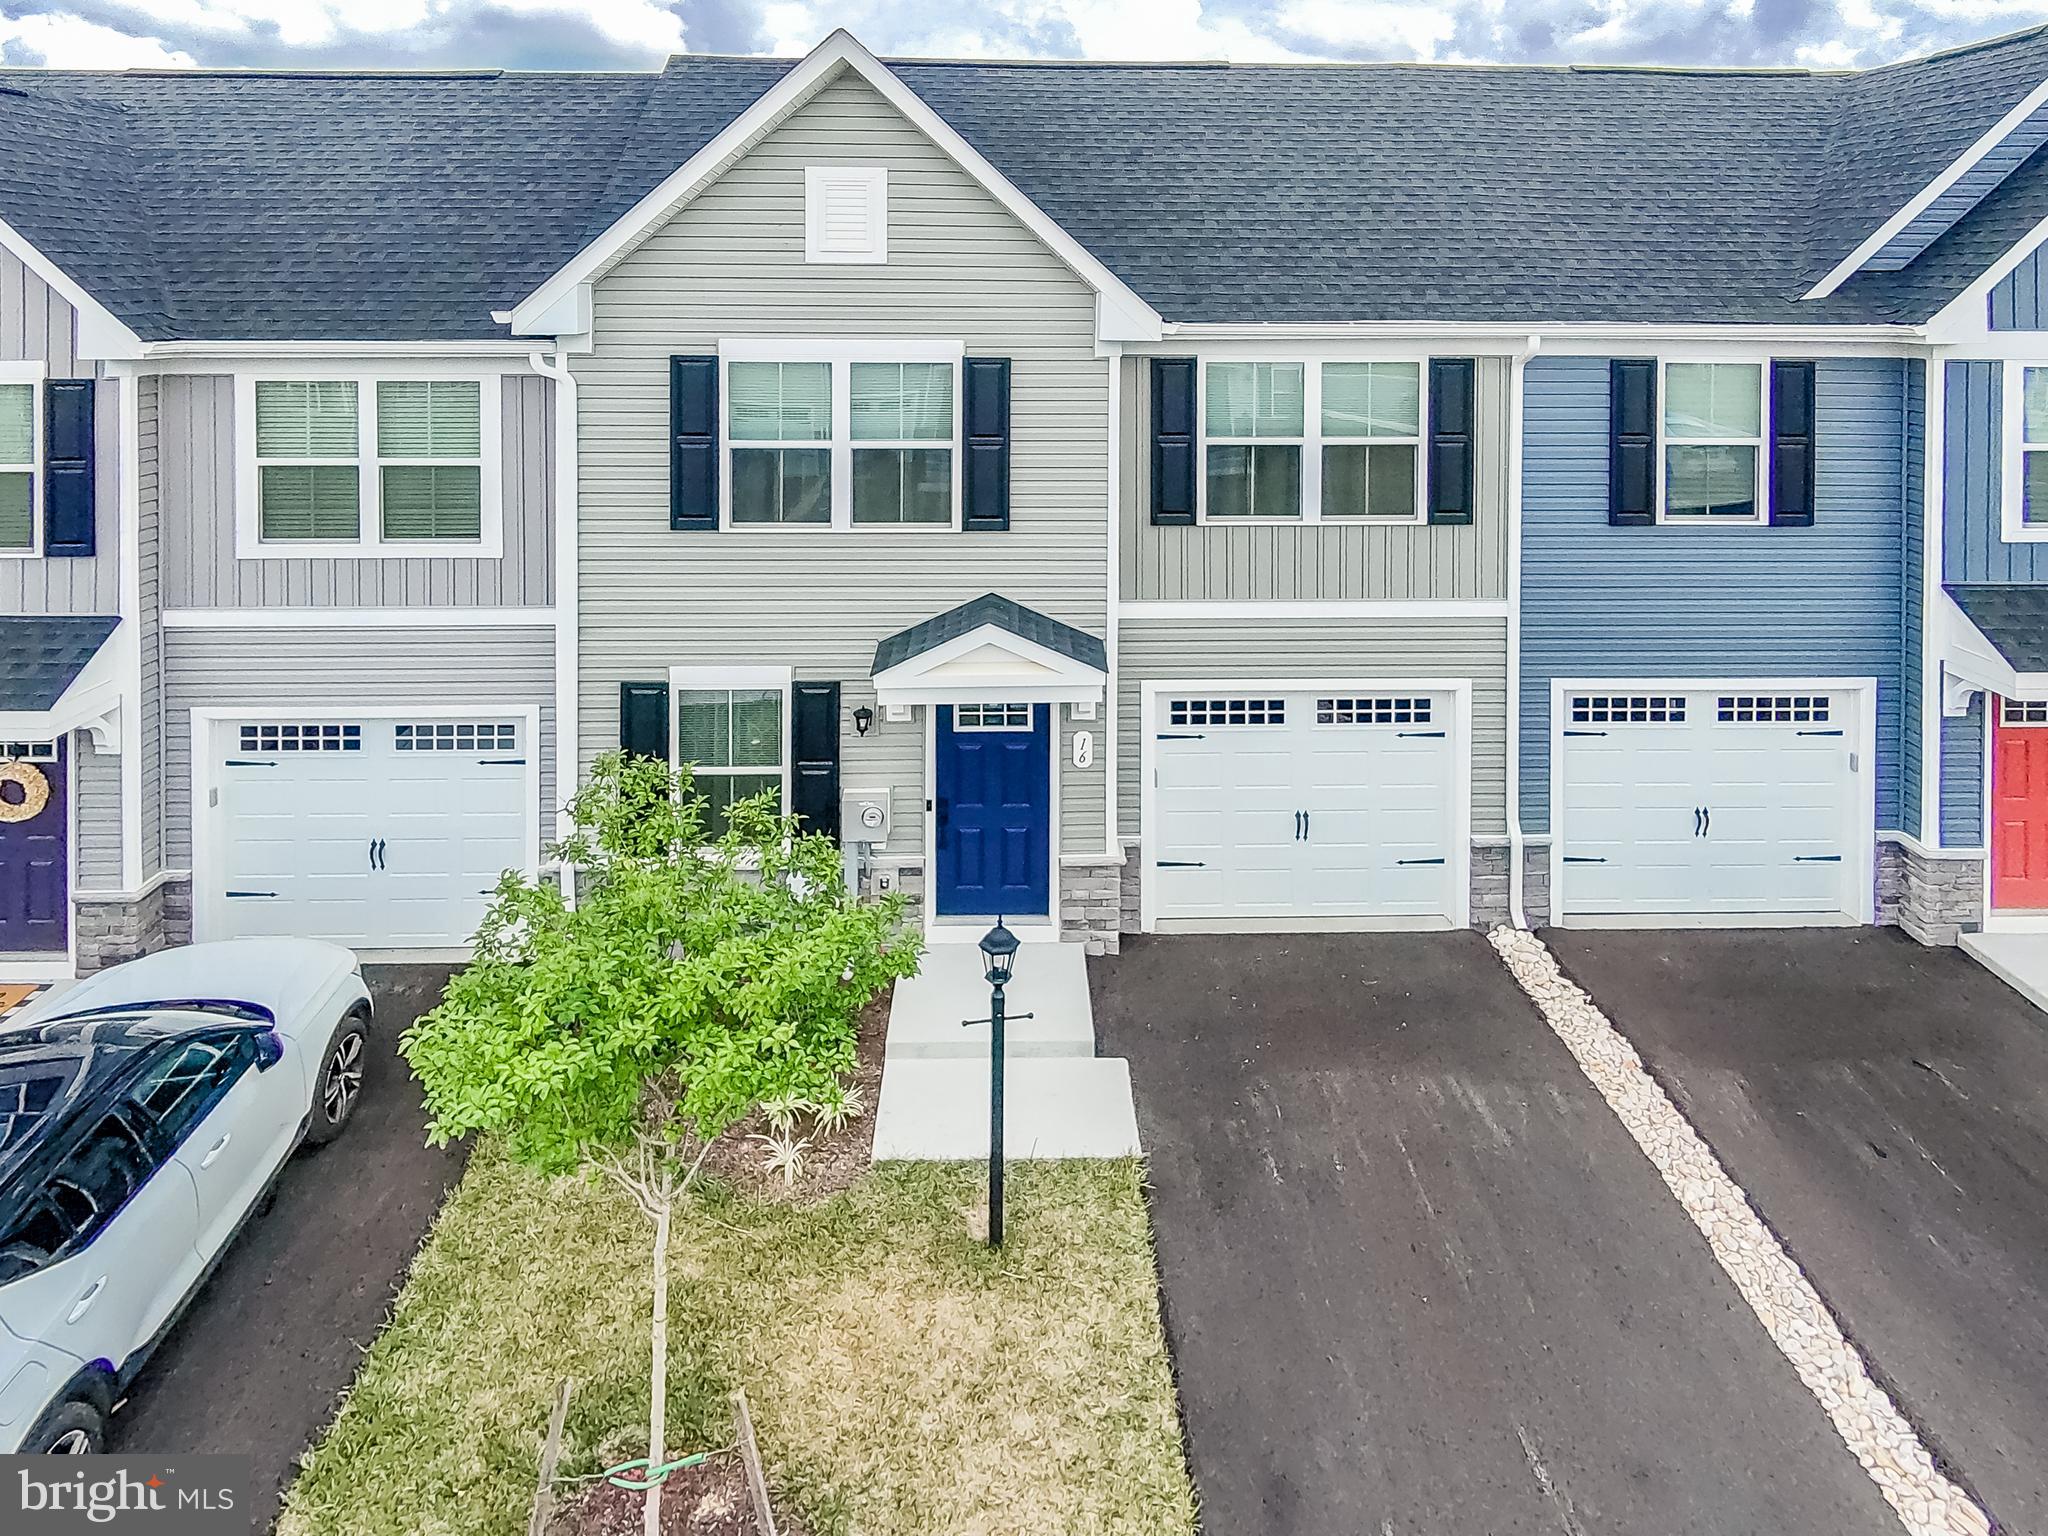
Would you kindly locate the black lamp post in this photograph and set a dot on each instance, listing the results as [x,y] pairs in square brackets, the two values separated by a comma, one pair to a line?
[999,952]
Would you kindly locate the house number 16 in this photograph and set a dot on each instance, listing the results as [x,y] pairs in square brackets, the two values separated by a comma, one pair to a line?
[1084,749]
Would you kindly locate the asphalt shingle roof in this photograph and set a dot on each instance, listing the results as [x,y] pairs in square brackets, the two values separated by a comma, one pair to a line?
[2013,618]
[1004,613]
[320,206]
[40,656]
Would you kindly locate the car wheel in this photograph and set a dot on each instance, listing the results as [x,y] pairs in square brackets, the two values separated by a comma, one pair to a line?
[340,1087]
[74,1427]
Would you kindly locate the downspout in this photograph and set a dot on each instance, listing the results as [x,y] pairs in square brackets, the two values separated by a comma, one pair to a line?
[1517,367]
[567,692]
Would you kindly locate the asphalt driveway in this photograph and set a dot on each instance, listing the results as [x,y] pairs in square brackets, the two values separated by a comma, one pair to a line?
[255,1367]
[1416,1276]
[1886,1108]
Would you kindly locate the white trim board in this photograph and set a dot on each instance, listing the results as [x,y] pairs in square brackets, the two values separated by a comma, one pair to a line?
[1922,200]
[988,664]
[1862,906]
[1151,690]
[561,304]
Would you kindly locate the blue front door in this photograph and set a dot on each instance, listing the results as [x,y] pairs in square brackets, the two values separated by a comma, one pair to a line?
[35,894]
[993,792]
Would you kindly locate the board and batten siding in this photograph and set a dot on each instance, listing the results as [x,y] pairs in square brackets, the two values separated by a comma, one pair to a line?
[1728,602]
[1973,537]
[97,781]
[1153,649]
[37,325]
[2020,300]
[1292,560]
[270,673]
[731,264]
[197,465]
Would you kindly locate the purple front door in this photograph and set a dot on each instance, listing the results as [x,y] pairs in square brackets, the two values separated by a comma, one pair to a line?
[35,896]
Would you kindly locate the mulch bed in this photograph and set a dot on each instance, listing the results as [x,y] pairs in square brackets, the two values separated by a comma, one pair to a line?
[831,1163]
[706,1500]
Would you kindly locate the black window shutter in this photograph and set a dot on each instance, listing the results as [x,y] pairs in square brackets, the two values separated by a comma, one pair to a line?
[1173,441]
[693,443]
[1451,386]
[814,755]
[985,415]
[1632,442]
[643,720]
[68,500]
[1792,456]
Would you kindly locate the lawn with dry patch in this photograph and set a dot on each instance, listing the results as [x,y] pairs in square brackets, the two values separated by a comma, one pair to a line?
[903,1378]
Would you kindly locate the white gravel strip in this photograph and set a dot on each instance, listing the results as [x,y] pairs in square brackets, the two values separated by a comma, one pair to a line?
[1870,1424]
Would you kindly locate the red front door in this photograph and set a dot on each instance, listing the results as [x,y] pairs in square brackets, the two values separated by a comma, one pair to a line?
[2019,807]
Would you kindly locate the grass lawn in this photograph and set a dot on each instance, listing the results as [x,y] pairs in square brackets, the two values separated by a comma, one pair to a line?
[904,1381]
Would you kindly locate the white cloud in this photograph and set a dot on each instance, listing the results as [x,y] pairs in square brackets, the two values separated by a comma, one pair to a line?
[62,41]
[1409,27]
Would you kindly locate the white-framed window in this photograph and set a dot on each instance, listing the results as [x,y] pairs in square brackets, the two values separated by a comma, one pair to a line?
[1711,423]
[21,459]
[731,725]
[841,434]
[991,717]
[846,214]
[2026,455]
[348,465]
[2023,712]
[1303,440]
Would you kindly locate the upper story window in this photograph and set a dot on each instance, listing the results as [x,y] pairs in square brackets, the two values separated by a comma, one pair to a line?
[846,213]
[20,464]
[2026,475]
[823,434]
[1713,458]
[344,466]
[1313,442]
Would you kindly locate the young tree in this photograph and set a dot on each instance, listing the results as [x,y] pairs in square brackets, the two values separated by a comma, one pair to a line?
[695,978]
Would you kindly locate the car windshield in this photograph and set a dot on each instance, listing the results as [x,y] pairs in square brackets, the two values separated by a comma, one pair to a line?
[29,1092]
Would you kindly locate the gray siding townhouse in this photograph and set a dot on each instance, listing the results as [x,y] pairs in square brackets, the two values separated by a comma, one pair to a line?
[1093,512]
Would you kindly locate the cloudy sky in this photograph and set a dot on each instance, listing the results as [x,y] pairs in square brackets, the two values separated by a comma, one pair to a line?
[635,34]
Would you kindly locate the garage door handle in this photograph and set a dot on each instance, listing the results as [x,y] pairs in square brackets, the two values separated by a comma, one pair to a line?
[1304,826]
[376,853]
[1178,864]
[1299,830]
[247,895]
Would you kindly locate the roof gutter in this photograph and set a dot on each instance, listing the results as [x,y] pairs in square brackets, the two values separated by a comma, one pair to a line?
[1510,339]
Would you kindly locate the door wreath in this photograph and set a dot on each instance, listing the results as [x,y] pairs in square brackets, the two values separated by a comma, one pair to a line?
[35,791]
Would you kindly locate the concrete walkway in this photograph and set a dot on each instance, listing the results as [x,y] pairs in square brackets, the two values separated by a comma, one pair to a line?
[2020,960]
[1060,1099]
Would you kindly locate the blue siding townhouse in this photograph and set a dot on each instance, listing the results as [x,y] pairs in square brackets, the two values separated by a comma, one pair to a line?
[1126,498]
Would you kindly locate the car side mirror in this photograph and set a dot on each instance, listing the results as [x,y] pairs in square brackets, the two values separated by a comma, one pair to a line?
[269,1050]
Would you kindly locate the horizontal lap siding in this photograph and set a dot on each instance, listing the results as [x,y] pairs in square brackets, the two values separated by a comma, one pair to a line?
[37,325]
[1605,602]
[1255,649]
[1973,537]
[1962,778]
[730,265]
[201,571]
[98,855]
[273,672]
[1319,561]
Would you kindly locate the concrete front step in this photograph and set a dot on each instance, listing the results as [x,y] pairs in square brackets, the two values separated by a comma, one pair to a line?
[1050,982]
[936,1110]
[2020,960]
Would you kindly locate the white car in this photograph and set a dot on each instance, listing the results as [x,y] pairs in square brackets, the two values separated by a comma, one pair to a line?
[144,1115]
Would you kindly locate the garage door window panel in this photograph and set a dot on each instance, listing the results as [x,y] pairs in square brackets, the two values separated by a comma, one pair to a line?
[733,740]
[20,466]
[1713,457]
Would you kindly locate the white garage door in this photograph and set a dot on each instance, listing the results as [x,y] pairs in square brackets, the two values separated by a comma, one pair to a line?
[1710,804]
[1293,807]
[379,834]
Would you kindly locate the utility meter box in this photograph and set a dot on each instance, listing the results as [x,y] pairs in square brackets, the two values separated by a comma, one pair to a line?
[864,816]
